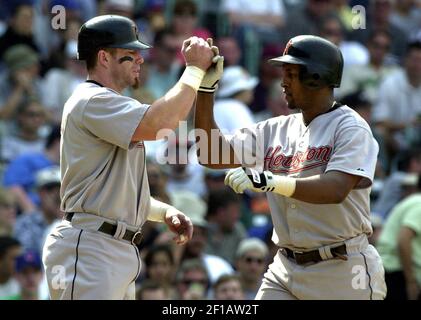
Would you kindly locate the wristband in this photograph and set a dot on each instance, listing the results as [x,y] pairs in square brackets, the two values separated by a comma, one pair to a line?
[158,210]
[284,185]
[192,77]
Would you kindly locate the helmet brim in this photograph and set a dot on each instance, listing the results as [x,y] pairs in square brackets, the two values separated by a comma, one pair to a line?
[134,45]
[286,59]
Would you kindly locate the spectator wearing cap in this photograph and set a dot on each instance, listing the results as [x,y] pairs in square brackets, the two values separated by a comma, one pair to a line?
[29,275]
[228,287]
[19,29]
[19,174]
[21,80]
[30,228]
[225,231]
[251,258]
[9,250]
[234,95]
[195,208]
[7,212]
[399,246]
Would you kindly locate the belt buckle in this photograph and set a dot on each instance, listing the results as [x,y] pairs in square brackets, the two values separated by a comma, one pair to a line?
[138,233]
[296,255]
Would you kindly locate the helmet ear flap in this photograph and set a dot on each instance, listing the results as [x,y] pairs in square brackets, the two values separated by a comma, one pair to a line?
[312,80]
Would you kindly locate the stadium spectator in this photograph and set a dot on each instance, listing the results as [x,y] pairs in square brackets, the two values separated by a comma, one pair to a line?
[30,228]
[9,251]
[225,229]
[228,287]
[400,246]
[251,262]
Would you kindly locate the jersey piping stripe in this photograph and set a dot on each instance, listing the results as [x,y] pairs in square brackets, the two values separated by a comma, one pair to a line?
[369,276]
[77,258]
[310,166]
[138,263]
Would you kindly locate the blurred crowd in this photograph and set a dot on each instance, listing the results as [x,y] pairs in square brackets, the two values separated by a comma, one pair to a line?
[231,245]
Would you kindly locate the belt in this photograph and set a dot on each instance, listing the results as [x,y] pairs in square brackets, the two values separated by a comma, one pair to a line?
[314,256]
[133,237]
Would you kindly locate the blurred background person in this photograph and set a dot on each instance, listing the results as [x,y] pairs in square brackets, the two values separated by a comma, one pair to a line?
[9,250]
[397,113]
[233,97]
[29,275]
[25,134]
[7,212]
[161,268]
[228,287]
[19,26]
[20,174]
[184,24]
[251,263]
[20,80]
[151,290]
[368,76]
[195,208]
[30,228]
[192,280]
[400,248]
[225,230]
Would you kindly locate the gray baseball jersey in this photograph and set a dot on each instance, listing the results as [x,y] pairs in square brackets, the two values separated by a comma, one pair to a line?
[103,172]
[338,140]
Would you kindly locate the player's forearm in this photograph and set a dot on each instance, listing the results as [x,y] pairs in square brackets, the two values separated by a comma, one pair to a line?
[213,150]
[405,253]
[158,210]
[165,114]
[168,111]
[329,188]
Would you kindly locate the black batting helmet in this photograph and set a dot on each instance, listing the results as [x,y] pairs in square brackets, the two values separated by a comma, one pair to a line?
[322,62]
[108,31]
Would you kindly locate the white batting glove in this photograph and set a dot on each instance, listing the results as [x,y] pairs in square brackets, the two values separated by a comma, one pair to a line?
[214,73]
[241,179]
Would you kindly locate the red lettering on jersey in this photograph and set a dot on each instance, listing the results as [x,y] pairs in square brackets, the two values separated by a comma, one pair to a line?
[313,157]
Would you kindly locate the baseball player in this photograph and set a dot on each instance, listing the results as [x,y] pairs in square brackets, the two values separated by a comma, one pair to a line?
[316,167]
[105,194]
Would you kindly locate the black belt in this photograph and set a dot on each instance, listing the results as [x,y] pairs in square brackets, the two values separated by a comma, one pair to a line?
[314,256]
[110,229]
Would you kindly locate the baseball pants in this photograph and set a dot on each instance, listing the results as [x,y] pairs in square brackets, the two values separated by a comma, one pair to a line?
[84,264]
[361,277]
